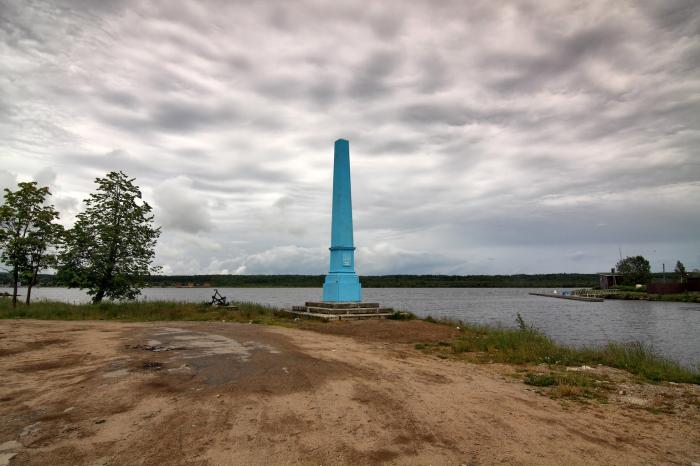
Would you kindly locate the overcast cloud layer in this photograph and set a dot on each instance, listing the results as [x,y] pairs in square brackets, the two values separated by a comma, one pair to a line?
[485,137]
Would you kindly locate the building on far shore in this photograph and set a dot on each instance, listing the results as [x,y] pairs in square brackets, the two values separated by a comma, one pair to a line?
[609,279]
[691,284]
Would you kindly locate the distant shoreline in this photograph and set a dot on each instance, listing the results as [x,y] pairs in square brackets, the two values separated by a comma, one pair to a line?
[692,297]
[554,280]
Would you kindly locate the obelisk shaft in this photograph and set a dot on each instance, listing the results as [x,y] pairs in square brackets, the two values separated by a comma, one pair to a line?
[341,227]
[342,283]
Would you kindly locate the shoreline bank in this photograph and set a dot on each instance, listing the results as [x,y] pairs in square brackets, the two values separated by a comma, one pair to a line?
[692,297]
[515,346]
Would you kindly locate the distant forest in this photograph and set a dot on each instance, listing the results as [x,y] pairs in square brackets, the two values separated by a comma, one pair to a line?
[551,280]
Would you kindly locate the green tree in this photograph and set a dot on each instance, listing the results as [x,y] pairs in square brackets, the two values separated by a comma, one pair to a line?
[635,269]
[110,248]
[680,270]
[42,250]
[27,233]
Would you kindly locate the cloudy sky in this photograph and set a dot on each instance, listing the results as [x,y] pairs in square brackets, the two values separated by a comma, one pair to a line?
[485,137]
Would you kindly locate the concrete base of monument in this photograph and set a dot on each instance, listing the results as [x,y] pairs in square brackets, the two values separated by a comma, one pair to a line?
[340,311]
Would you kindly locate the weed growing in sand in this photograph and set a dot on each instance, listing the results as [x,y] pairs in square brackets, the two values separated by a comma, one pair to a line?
[575,385]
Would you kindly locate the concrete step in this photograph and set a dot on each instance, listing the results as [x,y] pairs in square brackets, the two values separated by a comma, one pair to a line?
[360,310]
[332,305]
[330,317]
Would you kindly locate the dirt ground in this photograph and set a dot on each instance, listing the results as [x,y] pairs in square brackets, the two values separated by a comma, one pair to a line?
[110,393]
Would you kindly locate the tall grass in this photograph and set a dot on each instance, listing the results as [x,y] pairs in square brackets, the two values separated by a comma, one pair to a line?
[527,345]
[141,311]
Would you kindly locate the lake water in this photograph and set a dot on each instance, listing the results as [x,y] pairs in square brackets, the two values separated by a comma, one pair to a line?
[673,329]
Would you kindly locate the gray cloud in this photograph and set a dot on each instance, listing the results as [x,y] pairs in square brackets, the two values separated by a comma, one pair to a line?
[485,137]
[323,92]
[283,260]
[180,208]
[188,116]
[66,204]
[46,177]
[678,16]
[563,55]
[7,181]
[371,78]
[114,160]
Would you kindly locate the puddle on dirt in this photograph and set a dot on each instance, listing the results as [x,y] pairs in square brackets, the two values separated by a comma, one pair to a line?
[116,373]
[216,358]
[249,361]
[192,345]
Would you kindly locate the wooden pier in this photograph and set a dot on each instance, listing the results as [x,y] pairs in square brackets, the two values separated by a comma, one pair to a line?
[589,299]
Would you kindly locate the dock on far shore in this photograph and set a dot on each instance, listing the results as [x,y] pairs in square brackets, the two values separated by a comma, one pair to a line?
[590,299]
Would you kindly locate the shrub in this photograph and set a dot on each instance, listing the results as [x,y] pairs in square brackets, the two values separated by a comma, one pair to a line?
[539,380]
[402,315]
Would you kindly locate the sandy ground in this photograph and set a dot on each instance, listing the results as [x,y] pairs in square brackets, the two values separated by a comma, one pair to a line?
[109,393]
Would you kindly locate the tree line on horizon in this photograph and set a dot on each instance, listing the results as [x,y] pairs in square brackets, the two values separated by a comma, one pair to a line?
[560,280]
[383,281]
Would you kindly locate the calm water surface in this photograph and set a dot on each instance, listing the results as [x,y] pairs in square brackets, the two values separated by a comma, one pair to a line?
[673,329]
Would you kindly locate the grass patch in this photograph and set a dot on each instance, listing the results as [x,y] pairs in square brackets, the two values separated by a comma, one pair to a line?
[527,345]
[539,380]
[402,315]
[577,385]
[688,297]
[143,311]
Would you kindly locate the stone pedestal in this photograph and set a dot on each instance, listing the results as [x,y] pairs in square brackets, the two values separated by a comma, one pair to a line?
[342,288]
[341,311]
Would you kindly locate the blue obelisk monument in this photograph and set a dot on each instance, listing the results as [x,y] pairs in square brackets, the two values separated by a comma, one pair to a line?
[342,294]
[342,283]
